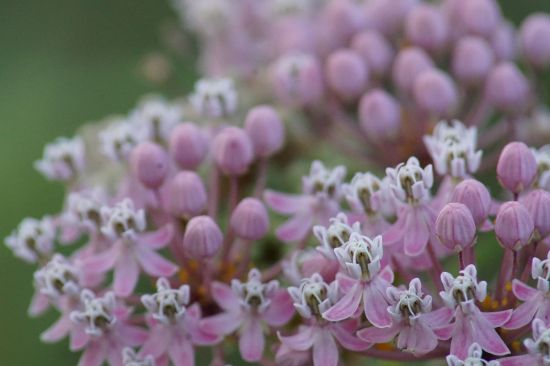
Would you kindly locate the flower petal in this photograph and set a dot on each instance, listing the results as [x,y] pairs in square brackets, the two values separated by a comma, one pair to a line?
[498,318]
[522,360]
[181,352]
[417,233]
[155,264]
[79,338]
[438,317]
[132,336]
[419,340]
[94,355]
[126,275]
[486,336]
[325,352]
[522,291]
[347,339]
[375,304]
[159,238]
[222,324]
[301,341]
[283,203]
[57,331]
[252,340]
[103,261]
[378,335]
[462,337]
[280,310]
[296,228]
[346,306]
[524,313]
[224,296]
[157,343]
[39,304]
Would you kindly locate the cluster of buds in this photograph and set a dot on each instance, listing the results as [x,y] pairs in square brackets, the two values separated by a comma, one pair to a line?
[374,72]
[169,224]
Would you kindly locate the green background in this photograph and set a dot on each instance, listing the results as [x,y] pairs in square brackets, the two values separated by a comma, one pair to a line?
[64,63]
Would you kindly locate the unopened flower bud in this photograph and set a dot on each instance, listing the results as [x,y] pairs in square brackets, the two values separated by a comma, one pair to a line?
[249,220]
[150,164]
[535,39]
[516,167]
[455,227]
[514,225]
[503,42]
[187,195]
[379,114]
[472,60]
[426,27]
[347,74]
[479,17]
[265,129]
[507,88]
[409,64]
[474,195]
[537,203]
[232,151]
[435,92]
[202,239]
[375,50]
[188,145]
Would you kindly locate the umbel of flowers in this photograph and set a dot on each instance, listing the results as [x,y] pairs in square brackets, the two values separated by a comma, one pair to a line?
[166,224]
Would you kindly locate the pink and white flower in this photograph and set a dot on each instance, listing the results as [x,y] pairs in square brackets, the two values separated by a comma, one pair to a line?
[474,358]
[538,348]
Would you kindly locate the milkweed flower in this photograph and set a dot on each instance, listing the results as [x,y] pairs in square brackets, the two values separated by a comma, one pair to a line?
[537,346]
[246,308]
[474,357]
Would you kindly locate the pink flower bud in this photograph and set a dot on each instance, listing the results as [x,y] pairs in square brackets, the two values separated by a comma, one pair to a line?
[186,195]
[535,39]
[435,92]
[265,129]
[472,60]
[516,167]
[379,114]
[426,27]
[347,74]
[474,195]
[298,79]
[232,151]
[455,227]
[507,88]
[537,203]
[387,16]
[249,220]
[514,225]
[188,145]
[503,42]
[479,17]
[409,63]
[202,238]
[340,19]
[375,50]
[150,164]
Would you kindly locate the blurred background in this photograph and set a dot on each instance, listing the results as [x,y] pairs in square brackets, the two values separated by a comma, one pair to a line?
[64,63]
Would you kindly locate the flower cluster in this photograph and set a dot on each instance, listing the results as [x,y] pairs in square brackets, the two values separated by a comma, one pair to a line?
[168,239]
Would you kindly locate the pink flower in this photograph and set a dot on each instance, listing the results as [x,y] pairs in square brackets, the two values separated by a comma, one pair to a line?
[311,299]
[132,248]
[470,325]
[107,328]
[474,358]
[174,328]
[412,320]
[361,257]
[537,348]
[322,191]
[247,307]
[536,301]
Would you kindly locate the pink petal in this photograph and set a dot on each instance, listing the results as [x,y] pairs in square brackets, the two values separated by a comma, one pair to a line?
[417,233]
[301,341]
[39,304]
[181,352]
[155,264]
[347,338]
[157,343]
[438,317]
[395,233]
[346,306]
[222,324]
[103,261]
[386,274]
[94,355]
[375,304]
[296,228]
[522,291]
[199,335]
[345,283]
[280,310]
[524,313]
[445,332]
[486,336]
[419,339]
[159,238]
[522,360]
[283,203]
[252,340]
[79,338]
[325,352]
[498,318]
[379,335]
[132,336]
[224,296]
[126,275]
[114,355]
[57,331]
[462,337]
